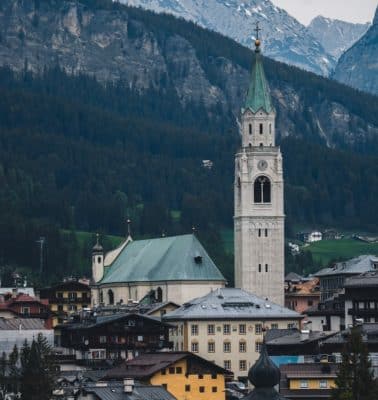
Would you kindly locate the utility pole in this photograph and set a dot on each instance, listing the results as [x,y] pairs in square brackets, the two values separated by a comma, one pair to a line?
[41,243]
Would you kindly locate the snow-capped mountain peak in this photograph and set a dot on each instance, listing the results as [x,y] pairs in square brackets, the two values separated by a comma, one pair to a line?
[284,38]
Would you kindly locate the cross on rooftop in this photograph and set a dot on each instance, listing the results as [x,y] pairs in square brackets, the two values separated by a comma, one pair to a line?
[257,29]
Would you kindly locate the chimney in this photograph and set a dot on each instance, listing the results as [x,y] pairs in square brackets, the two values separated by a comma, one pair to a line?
[305,335]
[14,293]
[128,385]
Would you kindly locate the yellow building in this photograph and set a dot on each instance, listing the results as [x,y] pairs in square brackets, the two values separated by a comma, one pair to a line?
[308,380]
[66,298]
[183,374]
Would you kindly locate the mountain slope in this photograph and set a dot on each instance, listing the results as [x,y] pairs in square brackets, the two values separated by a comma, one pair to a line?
[147,51]
[358,67]
[285,39]
[334,35]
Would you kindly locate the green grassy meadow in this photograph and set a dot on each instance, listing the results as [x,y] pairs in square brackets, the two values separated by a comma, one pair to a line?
[326,250]
[323,251]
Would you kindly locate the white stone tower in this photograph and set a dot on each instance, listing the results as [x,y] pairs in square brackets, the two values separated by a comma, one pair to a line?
[259,211]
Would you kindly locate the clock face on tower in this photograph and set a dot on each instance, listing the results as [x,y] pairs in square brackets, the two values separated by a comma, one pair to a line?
[262,165]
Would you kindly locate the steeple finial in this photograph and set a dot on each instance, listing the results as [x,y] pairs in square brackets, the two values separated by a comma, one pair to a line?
[258,95]
[257,40]
[97,247]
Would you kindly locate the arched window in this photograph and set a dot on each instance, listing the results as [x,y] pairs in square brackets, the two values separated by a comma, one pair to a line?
[250,129]
[111,296]
[159,294]
[101,297]
[261,129]
[270,128]
[262,190]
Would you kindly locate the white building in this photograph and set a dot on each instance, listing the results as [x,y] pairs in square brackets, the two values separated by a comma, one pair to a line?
[259,207]
[15,331]
[175,268]
[226,326]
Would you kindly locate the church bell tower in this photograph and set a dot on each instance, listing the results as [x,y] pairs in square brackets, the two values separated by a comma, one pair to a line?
[258,190]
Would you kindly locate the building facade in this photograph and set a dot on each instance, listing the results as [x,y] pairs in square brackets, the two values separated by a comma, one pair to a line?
[226,327]
[185,375]
[361,298]
[332,278]
[258,195]
[299,296]
[175,269]
[112,337]
[308,380]
[66,298]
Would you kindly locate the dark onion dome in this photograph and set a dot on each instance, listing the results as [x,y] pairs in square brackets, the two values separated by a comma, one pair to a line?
[97,248]
[264,375]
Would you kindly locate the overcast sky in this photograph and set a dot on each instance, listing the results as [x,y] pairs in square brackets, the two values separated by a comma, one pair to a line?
[347,10]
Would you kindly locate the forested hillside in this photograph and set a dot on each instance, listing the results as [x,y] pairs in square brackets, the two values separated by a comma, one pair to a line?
[75,154]
[159,52]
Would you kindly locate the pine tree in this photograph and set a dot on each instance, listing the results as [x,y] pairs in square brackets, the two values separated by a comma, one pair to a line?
[37,374]
[355,379]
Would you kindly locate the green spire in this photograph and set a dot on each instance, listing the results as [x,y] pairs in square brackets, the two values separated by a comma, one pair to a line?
[258,92]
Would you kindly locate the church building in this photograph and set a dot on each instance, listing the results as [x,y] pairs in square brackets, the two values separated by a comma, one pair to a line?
[175,269]
[258,190]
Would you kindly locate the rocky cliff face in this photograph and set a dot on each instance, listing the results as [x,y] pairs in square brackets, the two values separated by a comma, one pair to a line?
[334,35]
[113,43]
[285,39]
[358,67]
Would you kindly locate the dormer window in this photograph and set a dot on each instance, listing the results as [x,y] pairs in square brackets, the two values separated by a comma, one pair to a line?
[198,258]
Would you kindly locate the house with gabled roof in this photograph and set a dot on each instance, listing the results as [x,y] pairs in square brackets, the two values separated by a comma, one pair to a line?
[175,268]
[184,374]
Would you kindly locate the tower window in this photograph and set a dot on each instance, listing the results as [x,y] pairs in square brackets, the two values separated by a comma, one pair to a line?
[266,232]
[259,232]
[262,190]
[250,129]
[261,129]
[270,128]
[259,267]
[159,294]
[266,267]
[99,260]
[261,144]
[250,145]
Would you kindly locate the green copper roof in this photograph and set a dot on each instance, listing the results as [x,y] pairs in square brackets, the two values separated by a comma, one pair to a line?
[163,259]
[258,92]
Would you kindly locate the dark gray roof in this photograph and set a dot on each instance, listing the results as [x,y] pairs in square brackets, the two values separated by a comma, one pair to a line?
[106,319]
[21,323]
[114,391]
[368,279]
[369,334]
[309,370]
[356,265]
[231,303]
[294,336]
[173,258]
